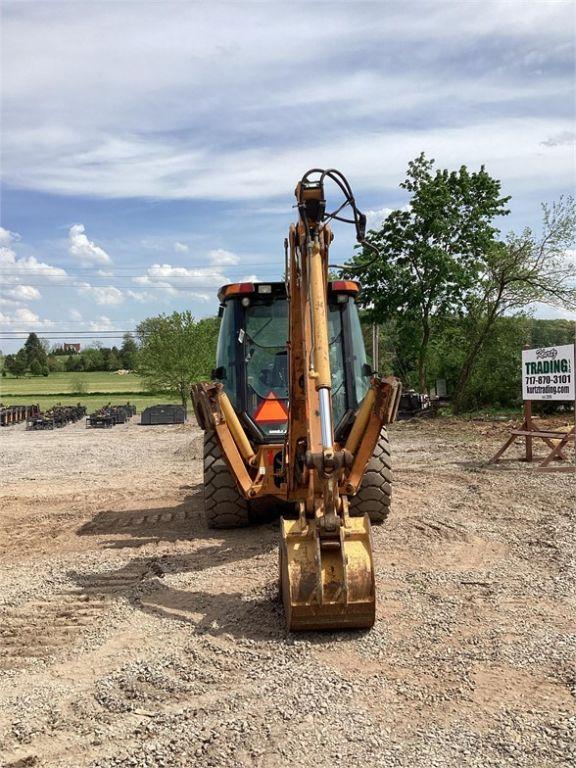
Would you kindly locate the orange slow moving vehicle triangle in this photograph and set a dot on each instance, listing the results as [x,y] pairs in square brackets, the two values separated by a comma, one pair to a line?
[271,409]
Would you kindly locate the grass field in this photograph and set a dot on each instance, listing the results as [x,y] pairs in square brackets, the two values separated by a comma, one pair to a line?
[72,388]
[74,383]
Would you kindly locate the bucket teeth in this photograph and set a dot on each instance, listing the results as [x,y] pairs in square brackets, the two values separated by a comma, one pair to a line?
[327,583]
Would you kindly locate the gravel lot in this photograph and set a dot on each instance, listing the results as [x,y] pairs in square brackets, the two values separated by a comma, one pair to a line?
[130,635]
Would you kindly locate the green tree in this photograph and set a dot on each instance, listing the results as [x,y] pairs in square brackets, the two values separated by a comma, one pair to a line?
[36,367]
[93,359]
[34,349]
[514,274]
[129,352]
[430,251]
[175,351]
[106,352]
[8,363]
[549,333]
[75,363]
[495,378]
[56,363]
[17,364]
[114,362]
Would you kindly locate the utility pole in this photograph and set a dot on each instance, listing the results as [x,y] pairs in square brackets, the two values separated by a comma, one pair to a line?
[375,335]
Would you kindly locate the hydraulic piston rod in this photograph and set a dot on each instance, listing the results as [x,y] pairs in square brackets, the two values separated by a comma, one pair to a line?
[321,348]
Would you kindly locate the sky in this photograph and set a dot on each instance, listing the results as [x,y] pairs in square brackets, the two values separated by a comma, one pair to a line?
[150,150]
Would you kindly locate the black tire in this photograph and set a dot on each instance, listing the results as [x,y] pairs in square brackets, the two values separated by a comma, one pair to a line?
[224,506]
[375,493]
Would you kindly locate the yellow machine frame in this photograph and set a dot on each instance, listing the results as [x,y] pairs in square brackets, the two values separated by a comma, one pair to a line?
[326,562]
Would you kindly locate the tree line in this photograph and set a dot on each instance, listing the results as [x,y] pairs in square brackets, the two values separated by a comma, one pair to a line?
[176,350]
[38,358]
[495,380]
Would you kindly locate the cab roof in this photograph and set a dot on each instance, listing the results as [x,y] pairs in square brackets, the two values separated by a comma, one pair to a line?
[278,289]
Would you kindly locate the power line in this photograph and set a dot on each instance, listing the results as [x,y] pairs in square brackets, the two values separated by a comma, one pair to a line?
[64,339]
[174,283]
[23,276]
[58,332]
[80,324]
[202,273]
[125,286]
[66,333]
[145,267]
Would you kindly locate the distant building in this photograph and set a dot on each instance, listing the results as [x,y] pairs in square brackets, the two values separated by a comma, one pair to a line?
[74,348]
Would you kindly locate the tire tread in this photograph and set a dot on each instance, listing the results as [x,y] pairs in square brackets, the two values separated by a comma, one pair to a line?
[375,494]
[224,506]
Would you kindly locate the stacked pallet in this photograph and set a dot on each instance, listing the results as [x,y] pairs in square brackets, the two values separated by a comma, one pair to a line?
[14,414]
[56,417]
[110,415]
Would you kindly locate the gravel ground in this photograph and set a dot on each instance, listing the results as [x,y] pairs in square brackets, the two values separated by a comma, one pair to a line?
[130,635]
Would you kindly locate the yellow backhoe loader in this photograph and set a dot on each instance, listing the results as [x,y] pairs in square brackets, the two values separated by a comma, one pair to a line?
[295,420]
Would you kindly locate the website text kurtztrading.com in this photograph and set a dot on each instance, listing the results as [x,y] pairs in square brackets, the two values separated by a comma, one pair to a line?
[550,389]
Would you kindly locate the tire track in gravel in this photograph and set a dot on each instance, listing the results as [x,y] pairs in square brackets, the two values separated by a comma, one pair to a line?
[41,629]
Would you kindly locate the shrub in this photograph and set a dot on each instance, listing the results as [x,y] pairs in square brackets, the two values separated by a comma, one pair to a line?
[79,387]
[36,368]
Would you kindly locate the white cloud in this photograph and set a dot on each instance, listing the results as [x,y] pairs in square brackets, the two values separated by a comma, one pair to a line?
[274,210]
[75,315]
[249,279]
[23,319]
[179,280]
[14,270]
[140,296]
[374,218]
[22,293]
[84,250]
[223,258]
[7,237]
[107,294]
[509,147]
[4,302]
[123,143]
[181,247]
[102,323]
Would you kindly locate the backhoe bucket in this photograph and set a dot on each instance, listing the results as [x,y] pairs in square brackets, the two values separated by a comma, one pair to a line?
[327,583]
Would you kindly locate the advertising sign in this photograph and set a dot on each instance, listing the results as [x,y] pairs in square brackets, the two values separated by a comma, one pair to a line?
[548,373]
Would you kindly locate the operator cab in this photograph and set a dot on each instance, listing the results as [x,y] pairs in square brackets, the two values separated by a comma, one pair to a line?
[252,355]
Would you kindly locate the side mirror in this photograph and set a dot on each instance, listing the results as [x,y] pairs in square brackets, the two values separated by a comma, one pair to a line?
[219,373]
[367,370]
